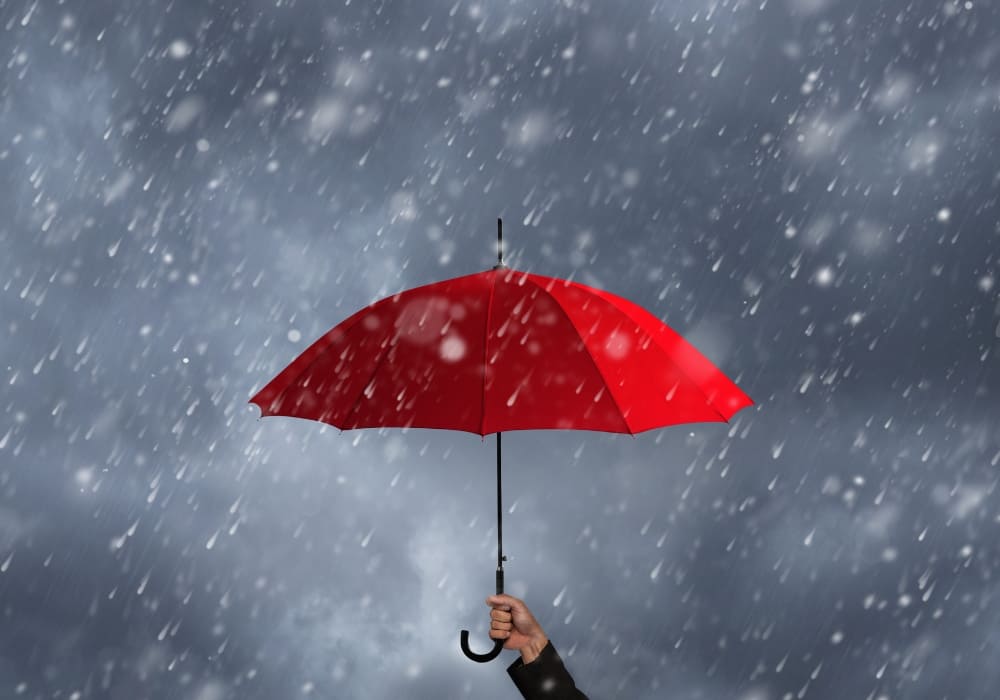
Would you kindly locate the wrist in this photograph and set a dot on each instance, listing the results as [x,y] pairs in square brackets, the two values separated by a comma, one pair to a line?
[531,650]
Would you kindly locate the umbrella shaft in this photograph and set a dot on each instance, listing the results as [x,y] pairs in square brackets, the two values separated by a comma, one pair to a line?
[500,556]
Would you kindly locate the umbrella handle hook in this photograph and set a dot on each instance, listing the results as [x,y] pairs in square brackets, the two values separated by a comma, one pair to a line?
[481,658]
[497,643]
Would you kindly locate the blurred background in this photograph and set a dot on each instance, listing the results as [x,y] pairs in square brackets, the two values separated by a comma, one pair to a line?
[193,192]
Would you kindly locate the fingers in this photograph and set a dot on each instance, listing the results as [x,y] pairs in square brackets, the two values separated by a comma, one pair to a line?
[502,615]
[499,615]
[505,602]
[500,621]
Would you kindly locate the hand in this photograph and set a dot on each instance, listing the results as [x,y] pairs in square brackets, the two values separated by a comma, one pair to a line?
[510,619]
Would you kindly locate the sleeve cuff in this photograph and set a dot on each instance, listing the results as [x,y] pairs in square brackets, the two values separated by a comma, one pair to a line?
[546,674]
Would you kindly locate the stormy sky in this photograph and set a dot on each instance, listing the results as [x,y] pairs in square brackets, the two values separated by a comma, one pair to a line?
[192,192]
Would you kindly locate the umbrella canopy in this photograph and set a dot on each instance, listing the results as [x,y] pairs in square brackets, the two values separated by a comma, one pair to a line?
[503,350]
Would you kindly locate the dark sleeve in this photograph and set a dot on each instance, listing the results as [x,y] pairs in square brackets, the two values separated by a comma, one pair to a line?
[544,678]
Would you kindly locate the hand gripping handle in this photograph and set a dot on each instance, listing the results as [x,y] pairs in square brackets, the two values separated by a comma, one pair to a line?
[497,643]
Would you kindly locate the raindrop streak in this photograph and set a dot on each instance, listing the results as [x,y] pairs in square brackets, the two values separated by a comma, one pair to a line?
[559,597]
[776,449]
[513,397]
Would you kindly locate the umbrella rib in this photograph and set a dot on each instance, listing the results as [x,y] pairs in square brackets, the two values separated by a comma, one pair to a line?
[378,365]
[597,367]
[680,369]
[486,352]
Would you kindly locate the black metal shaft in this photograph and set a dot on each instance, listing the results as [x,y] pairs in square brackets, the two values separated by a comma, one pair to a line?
[500,556]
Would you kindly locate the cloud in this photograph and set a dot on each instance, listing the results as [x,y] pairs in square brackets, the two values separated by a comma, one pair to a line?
[163,541]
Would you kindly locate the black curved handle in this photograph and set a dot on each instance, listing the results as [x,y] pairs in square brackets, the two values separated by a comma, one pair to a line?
[497,643]
[481,658]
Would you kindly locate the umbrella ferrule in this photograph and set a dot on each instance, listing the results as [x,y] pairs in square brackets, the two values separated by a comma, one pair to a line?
[500,265]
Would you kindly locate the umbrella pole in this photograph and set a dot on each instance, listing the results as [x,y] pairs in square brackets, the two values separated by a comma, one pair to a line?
[464,637]
[497,643]
[500,557]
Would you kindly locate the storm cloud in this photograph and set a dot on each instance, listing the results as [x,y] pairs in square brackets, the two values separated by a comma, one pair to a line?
[193,192]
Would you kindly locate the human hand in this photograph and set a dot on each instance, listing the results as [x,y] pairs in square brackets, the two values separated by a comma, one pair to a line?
[511,620]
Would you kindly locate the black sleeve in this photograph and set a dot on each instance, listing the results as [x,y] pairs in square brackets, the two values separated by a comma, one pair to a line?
[545,677]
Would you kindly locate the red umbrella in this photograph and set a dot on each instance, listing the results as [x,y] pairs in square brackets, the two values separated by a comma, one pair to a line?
[502,350]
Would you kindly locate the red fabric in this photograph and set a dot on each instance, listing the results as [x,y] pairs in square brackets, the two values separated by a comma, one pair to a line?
[502,350]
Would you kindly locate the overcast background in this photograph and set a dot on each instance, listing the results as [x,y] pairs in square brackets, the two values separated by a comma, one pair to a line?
[192,192]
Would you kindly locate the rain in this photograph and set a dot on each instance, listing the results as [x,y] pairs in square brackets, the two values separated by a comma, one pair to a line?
[194,193]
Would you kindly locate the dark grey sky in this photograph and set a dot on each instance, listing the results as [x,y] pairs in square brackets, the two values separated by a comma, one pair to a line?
[191,192]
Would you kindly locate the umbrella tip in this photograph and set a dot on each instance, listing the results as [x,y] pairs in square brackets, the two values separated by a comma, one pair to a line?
[499,244]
